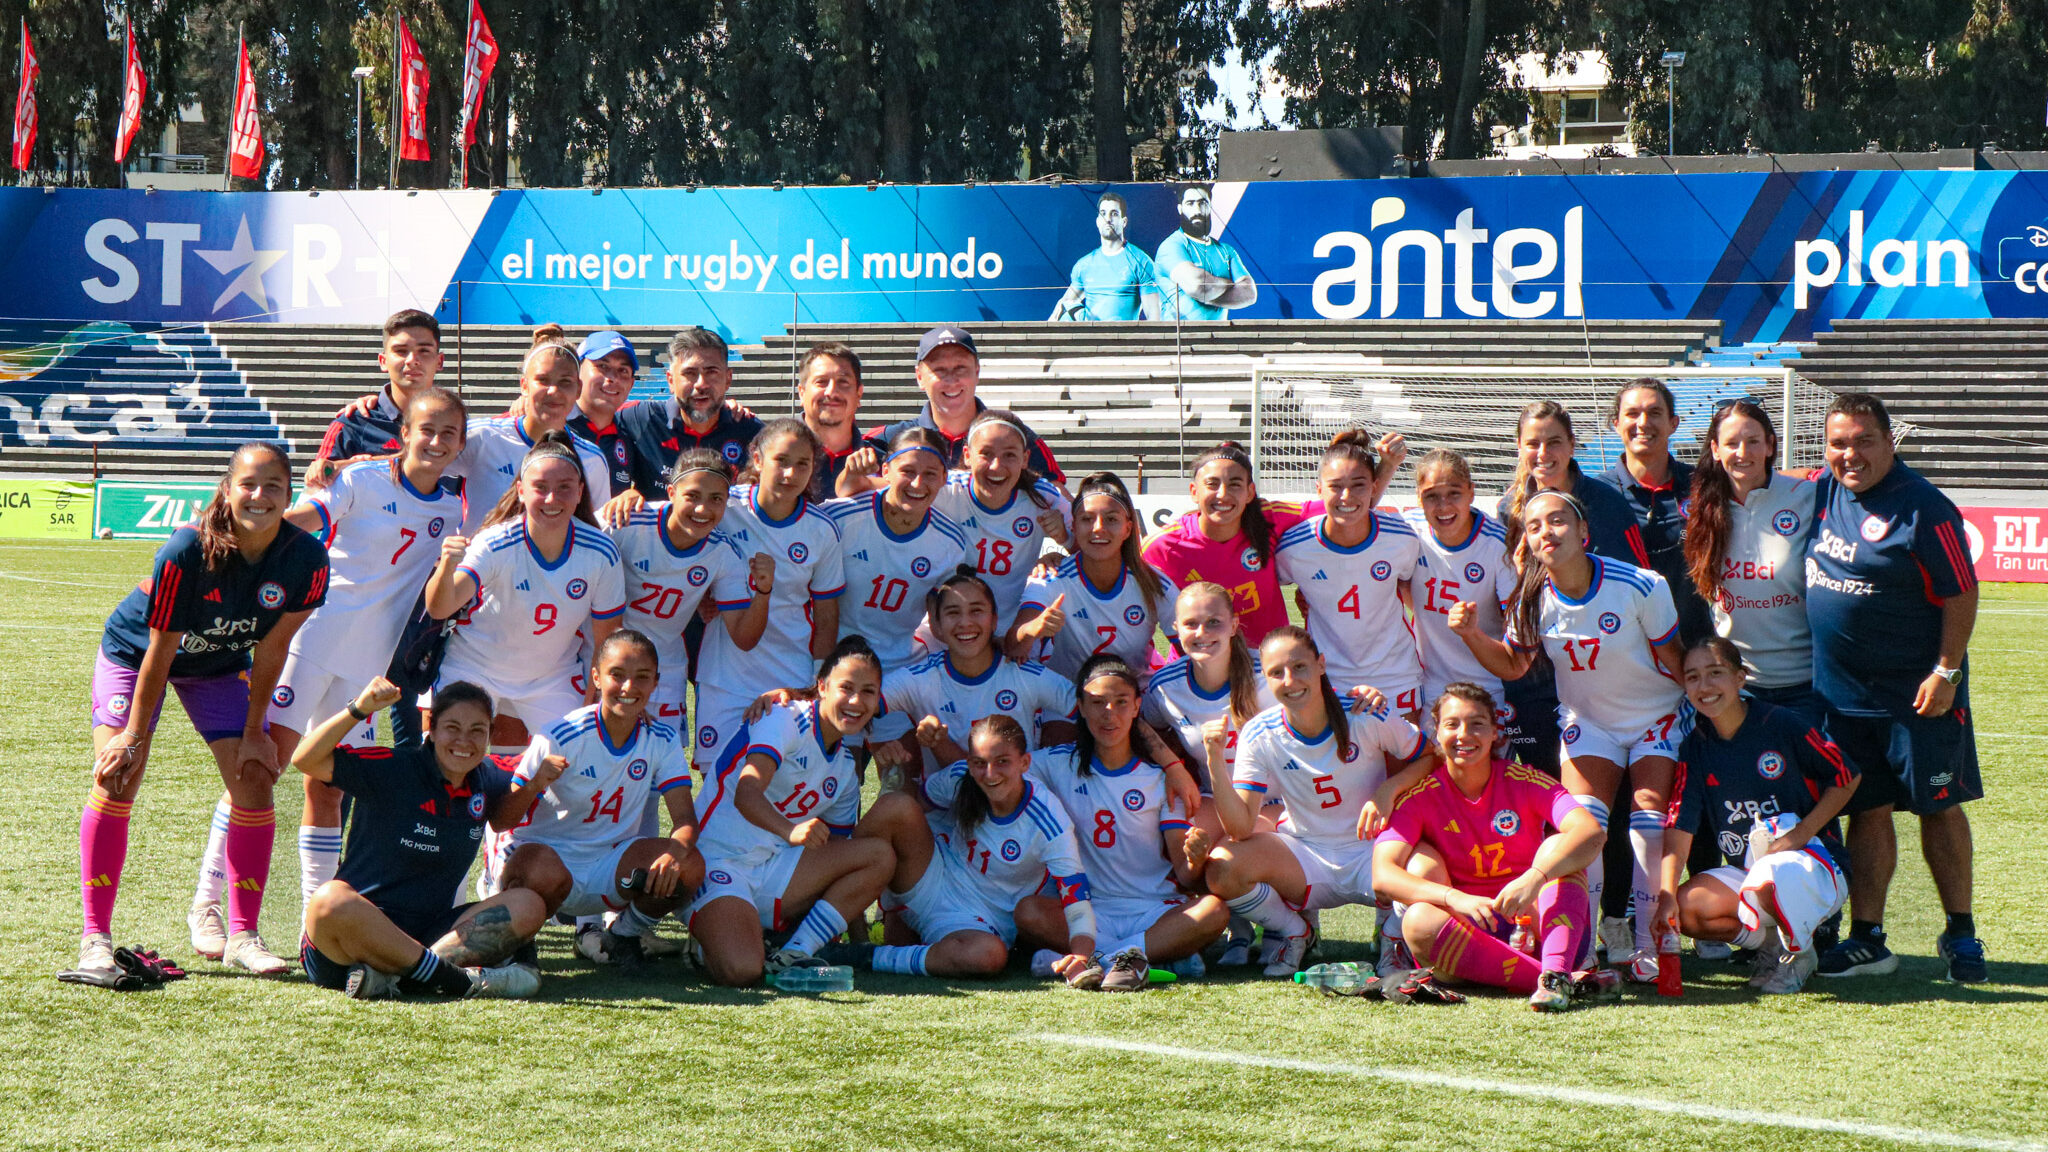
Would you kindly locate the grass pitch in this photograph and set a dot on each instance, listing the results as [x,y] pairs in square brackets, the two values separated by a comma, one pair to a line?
[604,1061]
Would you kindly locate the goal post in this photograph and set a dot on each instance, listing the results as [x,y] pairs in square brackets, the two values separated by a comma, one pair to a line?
[1298,406]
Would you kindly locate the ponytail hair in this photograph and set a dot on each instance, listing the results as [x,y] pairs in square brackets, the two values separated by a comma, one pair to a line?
[1527,617]
[1443,460]
[1094,668]
[964,577]
[1027,476]
[1355,445]
[1524,485]
[970,803]
[554,445]
[1258,531]
[547,341]
[1244,674]
[1111,485]
[1333,704]
[852,647]
[1706,525]
[217,520]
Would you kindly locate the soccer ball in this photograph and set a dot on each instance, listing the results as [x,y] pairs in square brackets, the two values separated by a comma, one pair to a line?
[106,533]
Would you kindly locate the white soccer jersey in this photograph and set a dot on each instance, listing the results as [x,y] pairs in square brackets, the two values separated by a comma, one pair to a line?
[1478,571]
[887,575]
[1324,792]
[1120,818]
[383,539]
[808,566]
[523,625]
[1173,700]
[599,799]
[1354,601]
[490,459]
[1003,543]
[809,783]
[664,584]
[1600,648]
[1098,620]
[1762,605]
[1003,859]
[1028,692]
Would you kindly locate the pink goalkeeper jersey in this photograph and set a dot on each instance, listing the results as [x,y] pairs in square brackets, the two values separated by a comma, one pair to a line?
[1484,842]
[1185,556]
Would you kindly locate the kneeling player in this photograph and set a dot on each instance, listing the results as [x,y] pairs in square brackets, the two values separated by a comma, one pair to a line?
[959,888]
[418,817]
[580,846]
[1767,786]
[1466,851]
[775,846]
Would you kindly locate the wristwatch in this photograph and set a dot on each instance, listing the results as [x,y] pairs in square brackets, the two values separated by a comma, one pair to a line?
[1949,674]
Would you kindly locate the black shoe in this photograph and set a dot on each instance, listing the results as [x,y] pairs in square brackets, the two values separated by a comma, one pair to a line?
[1827,935]
[526,955]
[861,956]
[625,951]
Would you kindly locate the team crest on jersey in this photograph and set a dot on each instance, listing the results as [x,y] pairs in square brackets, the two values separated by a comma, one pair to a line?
[577,589]
[1134,615]
[118,704]
[1770,765]
[619,450]
[1505,822]
[1504,715]
[283,696]
[1786,522]
[1381,569]
[921,567]
[1685,507]
[1005,700]
[707,736]
[270,595]
[1571,734]
[718,876]
[697,575]
[637,770]
[1133,800]
[1610,623]
[799,552]
[1012,851]
[830,786]
[1022,526]
[1475,573]
[1250,560]
[1349,754]
[1874,528]
[476,806]
[435,528]
[732,452]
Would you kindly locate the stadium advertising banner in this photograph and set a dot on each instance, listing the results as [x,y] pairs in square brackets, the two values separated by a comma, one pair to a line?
[2008,544]
[143,510]
[1773,256]
[45,509]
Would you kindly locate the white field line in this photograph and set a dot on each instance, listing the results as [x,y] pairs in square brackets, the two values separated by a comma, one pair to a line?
[62,583]
[1902,1135]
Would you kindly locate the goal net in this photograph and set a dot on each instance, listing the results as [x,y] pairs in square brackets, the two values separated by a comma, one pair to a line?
[1298,407]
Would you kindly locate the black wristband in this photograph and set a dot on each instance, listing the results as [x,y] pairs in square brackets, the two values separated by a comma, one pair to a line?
[358,715]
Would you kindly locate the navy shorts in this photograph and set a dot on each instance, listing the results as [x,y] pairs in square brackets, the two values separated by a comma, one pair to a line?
[1528,720]
[327,972]
[1798,698]
[1920,764]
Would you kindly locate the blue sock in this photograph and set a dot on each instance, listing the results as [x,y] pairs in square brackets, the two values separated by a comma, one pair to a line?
[819,926]
[904,961]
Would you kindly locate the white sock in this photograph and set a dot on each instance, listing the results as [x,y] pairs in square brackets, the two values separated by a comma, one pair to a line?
[1240,930]
[904,961]
[1646,840]
[213,865]
[631,921]
[1263,906]
[1596,872]
[1747,937]
[1390,928]
[821,924]
[319,858]
[1042,962]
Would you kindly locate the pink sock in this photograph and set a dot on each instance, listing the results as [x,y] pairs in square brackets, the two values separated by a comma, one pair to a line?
[102,849]
[1469,954]
[1565,911]
[251,836]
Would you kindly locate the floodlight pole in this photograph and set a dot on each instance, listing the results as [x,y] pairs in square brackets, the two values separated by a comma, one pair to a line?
[1672,61]
[360,74]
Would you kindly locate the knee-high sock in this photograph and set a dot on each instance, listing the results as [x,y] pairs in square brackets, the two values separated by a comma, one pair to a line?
[319,858]
[1464,951]
[820,925]
[252,833]
[1264,906]
[1596,872]
[213,865]
[102,849]
[1615,857]
[1564,913]
[1646,840]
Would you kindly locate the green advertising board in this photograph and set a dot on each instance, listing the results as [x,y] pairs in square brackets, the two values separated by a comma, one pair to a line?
[146,510]
[45,509]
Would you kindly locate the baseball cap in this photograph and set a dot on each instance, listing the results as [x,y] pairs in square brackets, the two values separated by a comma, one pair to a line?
[941,336]
[598,345]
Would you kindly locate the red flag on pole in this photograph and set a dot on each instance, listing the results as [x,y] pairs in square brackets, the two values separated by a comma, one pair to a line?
[133,86]
[479,57]
[245,131]
[25,103]
[412,72]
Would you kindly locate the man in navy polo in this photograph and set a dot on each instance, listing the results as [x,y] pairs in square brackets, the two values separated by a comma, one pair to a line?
[695,414]
[409,358]
[948,369]
[1891,594]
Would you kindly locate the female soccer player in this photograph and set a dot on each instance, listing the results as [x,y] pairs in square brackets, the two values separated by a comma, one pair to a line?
[1610,632]
[1104,598]
[1464,557]
[582,840]
[532,581]
[1338,771]
[775,831]
[1130,829]
[1004,534]
[770,513]
[1348,566]
[895,547]
[1766,785]
[1658,487]
[490,460]
[383,925]
[1003,837]
[1466,850]
[1745,542]
[213,620]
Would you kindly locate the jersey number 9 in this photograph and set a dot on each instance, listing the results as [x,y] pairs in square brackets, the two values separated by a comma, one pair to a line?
[543,618]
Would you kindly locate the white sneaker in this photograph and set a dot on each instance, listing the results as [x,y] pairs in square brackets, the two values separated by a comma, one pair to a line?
[209,933]
[1712,949]
[1292,949]
[1770,952]
[366,983]
[783,959]
[1617,938]
[247,950]
[506,982]
[1237,953]
[590,944]
[1791,973]
[1394,957]
[96,952]
[1642,968]
[1271,945]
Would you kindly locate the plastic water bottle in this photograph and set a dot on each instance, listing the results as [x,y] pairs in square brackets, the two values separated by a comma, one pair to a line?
[1668,976]
[834,979]
[1345,979]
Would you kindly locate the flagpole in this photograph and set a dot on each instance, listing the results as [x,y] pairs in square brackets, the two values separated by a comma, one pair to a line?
[396,119]
[227,153]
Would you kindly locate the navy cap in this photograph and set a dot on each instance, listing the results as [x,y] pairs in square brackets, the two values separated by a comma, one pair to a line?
[941,336]
[598,345]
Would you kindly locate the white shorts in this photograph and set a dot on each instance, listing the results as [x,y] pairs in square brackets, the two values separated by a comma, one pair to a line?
[594,871]
[718,718]
[936,907]
[1808,885]
[538,706]
[307,694]
[760,877]
[1337,873]
[1121,921]
[1624,748]
[669,702]
[1403,694]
